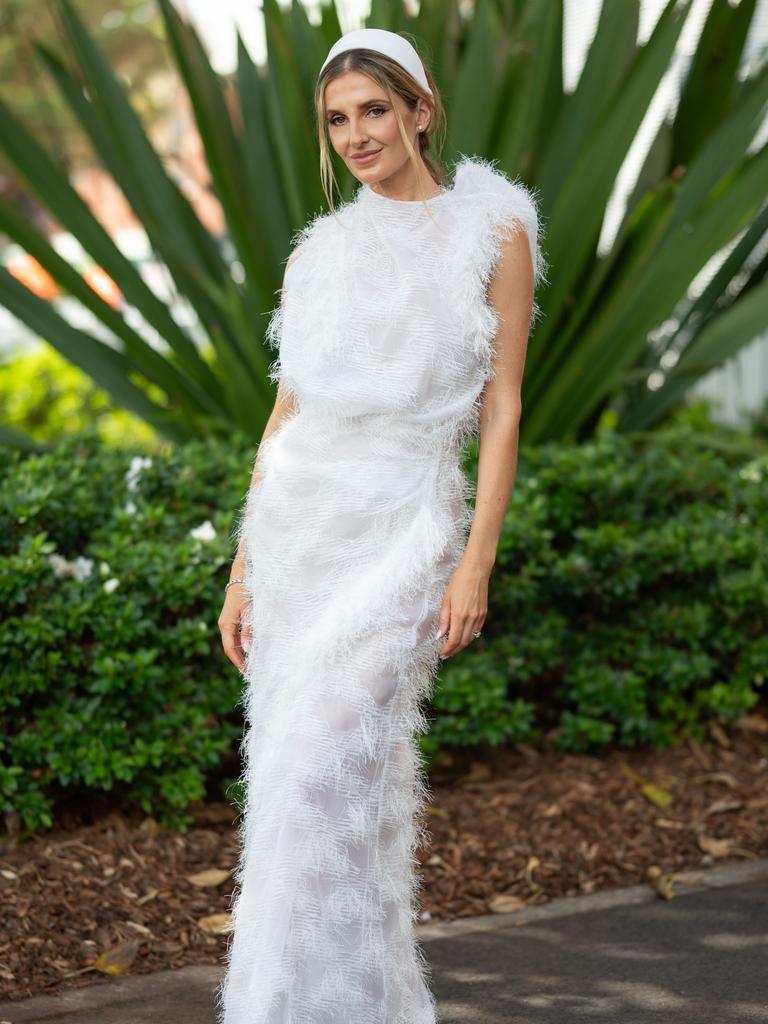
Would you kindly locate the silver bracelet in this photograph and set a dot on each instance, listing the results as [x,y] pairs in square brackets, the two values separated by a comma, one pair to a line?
[230,584]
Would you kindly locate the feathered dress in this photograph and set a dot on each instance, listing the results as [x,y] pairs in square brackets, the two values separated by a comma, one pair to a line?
[385,339]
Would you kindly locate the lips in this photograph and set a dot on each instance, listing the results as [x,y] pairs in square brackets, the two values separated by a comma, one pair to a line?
[368,157]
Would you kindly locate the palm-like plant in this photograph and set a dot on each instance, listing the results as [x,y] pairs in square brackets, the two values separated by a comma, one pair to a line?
[599,340]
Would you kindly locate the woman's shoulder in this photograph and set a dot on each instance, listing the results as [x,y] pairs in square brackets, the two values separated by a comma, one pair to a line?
[316,225]
[480,181]
[486,196]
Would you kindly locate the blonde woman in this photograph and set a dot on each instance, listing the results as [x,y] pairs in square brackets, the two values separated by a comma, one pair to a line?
[402,332]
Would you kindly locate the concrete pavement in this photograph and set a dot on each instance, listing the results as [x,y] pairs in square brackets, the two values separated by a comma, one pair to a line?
[619,957]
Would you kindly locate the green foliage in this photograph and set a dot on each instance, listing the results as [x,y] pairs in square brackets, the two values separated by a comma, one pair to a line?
[47,397]
[628,606]
[614,323]
[112,672]
[629,602]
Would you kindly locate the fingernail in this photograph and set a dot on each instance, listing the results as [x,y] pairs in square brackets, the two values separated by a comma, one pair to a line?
[247,646]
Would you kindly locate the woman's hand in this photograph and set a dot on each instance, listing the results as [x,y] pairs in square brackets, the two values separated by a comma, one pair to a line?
[464,607]
[233,625]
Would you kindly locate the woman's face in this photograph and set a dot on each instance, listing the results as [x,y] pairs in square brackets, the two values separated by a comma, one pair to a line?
[361,121]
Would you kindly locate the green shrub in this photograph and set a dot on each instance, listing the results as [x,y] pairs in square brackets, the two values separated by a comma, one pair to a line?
[112,675]
[627,606]
[629,602]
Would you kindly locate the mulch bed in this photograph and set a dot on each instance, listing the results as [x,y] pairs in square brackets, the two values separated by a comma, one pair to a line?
[513,829]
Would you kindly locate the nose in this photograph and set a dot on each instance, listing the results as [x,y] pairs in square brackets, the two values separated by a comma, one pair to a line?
[357,133]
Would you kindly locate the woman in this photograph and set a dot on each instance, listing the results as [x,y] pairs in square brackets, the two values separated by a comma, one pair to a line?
[401,332]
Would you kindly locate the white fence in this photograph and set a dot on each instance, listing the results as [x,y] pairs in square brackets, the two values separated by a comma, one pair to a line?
[739,386]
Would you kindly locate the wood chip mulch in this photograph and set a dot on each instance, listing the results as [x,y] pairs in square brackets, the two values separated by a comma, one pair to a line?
[122,896]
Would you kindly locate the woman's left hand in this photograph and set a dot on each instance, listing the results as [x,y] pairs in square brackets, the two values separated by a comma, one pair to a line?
[464,607]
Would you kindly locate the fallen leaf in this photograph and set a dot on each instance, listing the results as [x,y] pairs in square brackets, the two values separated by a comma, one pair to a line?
[662,882]
[118,959]
[658,796]
[720,806]
[210,877]
[530,867]
[140,928]
[715,847]
[215,924]
[727,778]
[505,903]
[719,735]
[629,771]
[753,723]
[479,771]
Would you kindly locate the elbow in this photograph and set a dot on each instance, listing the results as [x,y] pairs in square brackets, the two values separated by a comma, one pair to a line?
[503,416]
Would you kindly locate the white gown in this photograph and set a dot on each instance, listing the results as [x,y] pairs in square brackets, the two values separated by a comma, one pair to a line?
[385,338]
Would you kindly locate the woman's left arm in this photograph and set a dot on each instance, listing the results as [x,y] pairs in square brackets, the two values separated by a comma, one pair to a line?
[511,293]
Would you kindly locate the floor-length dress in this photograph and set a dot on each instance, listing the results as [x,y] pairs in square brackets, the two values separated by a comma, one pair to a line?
[385,338]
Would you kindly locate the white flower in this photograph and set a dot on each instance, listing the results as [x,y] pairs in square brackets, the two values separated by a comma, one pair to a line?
[752,472]
[59,565]
[104,569]
[138,462]
[111,585]
[130,508]
[81,568]
[204,532]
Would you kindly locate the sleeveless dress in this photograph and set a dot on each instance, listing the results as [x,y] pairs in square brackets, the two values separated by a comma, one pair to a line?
[351,534]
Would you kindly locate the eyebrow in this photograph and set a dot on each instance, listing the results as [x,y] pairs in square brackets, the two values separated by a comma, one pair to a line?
[362,106]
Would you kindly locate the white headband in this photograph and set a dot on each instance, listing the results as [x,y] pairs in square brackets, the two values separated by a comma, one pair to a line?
[389,43]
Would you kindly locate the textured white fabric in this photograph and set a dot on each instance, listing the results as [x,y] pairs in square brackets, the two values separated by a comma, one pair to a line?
[386,338]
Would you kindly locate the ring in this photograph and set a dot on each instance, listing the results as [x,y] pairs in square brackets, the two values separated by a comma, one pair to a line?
[476,635]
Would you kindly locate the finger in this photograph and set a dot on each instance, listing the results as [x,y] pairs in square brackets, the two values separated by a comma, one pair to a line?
[246,637]
[234,656]
[444,620]
[230,645]
[457,628]
[466,635]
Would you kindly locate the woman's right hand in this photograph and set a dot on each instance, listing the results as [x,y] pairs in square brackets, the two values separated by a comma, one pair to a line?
[234,626]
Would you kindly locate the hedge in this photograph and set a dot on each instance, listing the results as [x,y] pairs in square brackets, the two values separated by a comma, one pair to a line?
[627,607]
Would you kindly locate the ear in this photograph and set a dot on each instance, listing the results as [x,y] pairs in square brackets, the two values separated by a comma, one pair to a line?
[423,113]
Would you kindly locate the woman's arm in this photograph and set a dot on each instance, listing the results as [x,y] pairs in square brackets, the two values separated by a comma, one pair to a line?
[511,294]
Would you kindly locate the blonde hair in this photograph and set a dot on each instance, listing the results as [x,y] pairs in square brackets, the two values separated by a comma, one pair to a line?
[394,80]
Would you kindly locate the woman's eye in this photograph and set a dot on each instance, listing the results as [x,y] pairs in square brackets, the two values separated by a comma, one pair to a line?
[335,119]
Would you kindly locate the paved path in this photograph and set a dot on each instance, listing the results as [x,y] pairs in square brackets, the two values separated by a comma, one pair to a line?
[619,957]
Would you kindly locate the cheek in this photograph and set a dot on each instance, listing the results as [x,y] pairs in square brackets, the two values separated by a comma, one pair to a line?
[387,130]
[335,138]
